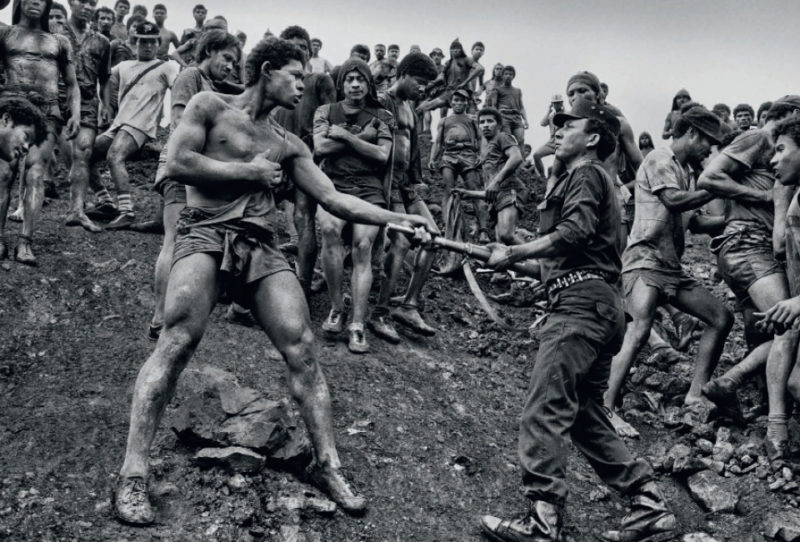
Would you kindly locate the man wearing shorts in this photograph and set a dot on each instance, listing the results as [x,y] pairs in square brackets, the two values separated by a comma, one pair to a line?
[142,84]
[651,264]
[505,192]
[230,154]
[33,60]
[755,226]
[508,100]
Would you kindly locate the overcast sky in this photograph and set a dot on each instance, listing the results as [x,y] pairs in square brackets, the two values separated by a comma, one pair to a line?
[722,51]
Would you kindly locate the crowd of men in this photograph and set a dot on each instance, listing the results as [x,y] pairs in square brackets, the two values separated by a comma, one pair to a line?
[338,148]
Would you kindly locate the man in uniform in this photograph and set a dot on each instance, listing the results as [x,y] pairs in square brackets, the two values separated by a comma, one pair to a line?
[579,258]
[230,154]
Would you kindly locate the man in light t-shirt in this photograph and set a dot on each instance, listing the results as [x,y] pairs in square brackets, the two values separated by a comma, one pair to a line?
[317,64]
[141,85]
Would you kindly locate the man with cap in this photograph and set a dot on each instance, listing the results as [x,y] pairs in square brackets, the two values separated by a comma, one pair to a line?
[651,263]
[456,146]
[33,60]
[142,84]
[353,139]
[578,254]
[556,106]
[748,258]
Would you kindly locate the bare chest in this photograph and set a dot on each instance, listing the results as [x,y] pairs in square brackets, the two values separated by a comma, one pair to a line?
[236,138]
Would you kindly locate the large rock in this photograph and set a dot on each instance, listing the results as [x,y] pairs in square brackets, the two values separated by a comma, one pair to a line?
[233,458]
[713,492]
[783,526]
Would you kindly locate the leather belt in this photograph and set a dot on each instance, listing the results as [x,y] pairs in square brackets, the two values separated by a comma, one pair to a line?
[574,277]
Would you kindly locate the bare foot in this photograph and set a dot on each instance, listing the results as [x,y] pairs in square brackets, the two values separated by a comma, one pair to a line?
[623,428]
[80,219]
[23,254]
[697,401]
[16,216]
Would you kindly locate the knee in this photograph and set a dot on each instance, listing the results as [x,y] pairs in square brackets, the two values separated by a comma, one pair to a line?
[722,320]
[299,349]
[362,250]
[115,156]
[178,336]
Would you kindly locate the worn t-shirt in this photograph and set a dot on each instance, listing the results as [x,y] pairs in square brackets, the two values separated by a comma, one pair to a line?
[753,149]
[460,133]
[793,245]
[92,59]
[657,239]
[319,65]
[493,158]
[140,106]
[508,98]
[188,83]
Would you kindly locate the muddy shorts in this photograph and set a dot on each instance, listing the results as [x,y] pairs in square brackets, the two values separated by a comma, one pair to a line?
[370,190]
[244,256]
[138,136]
[668,284]
[460,161]
[173,192]
[512,120]
[506,198]
[89,112]
[744,257]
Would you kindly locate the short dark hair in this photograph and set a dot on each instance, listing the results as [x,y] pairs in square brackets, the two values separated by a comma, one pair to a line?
[23,112]
[510,68]
[294,31]
[215,40]
[199,6]
[491,112]
[478,43]
[789,127]
[101,9]
[721,107]
[417,65]
[604,86]
[159,6]
[380,45]
[393,46]
[780,110]
[134,19]
[57,6]
[608,141]
[316,40]
[763,107]
[123,2]
[361,49]
[220,17]
[140,7]
[744,107]
[276,51]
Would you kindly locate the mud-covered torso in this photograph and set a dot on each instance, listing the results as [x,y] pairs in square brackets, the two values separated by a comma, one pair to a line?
[33,60]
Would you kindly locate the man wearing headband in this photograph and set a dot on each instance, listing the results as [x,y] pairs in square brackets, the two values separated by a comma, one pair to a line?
[33,60]
[755,226]
[651,263]
[354,141]
[579,260]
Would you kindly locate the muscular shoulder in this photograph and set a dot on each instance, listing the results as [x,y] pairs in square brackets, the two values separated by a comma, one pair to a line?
[206,105]
[295,148]
[749,146]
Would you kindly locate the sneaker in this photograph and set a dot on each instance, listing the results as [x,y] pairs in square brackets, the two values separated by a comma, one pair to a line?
[123,221]
[380,326]
[542,524]
[102,211]
[409,316]
[334,323]
[333,483]
[357,342]
[131,502]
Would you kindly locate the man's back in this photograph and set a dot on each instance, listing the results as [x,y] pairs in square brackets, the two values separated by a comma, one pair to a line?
[753,150]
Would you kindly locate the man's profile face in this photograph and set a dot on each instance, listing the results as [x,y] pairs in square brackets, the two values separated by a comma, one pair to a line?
[571,140]
[394,53]
[581,90]
[57,20]
[104,22]
[199,16]
[380,52]
[458,103]
[786,161]
[159,15]
[743,120]
[82,10]
[762,118]
[414,87]
[315,47]
[14,138]
[508,76]
[701,146]
[286,84]
[221,63]
[121,10]
[477,52]
[488,126]
[527,149]
[354,86]
[146,48]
